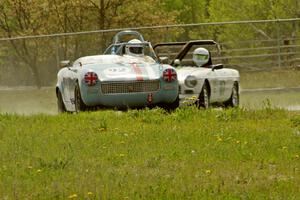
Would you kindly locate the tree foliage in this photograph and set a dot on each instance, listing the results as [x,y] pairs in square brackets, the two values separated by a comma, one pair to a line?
[36,17]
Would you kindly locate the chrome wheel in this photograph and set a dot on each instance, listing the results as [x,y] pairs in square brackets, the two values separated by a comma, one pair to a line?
[60,103]
[204,100]
[79,104]
[235,100]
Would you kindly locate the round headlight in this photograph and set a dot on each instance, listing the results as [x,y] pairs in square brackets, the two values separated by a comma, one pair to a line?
[190,81]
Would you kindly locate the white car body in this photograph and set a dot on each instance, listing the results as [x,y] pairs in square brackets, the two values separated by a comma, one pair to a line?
[117,80]
[204,85]
[220,81]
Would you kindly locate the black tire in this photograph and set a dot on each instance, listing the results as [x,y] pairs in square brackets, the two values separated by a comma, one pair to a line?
[234,100]
[171,106]
[204,98]
[60,103]
[79,104]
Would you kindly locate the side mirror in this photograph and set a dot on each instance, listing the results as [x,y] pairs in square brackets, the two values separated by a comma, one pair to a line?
[164,60]
[216,67]
[64,63]
[177,62]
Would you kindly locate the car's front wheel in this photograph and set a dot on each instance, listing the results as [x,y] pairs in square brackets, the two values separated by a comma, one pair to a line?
[204,99]
[79,104]
[234,100]
[60,103]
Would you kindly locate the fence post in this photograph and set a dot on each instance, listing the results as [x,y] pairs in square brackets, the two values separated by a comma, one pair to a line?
[57,54]
[278,43]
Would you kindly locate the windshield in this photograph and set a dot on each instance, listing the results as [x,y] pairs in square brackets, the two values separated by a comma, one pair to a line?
[171,53]
[119,49]
[136,50]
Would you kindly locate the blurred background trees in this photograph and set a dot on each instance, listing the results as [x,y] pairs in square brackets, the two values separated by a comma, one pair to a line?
[37,58]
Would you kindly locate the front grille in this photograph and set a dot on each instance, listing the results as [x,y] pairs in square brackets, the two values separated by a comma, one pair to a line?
[129,87]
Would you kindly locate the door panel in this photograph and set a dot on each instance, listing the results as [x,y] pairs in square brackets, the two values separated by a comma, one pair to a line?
[218,85]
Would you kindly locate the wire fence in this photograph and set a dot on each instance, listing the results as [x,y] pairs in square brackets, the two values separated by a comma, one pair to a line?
[245,45]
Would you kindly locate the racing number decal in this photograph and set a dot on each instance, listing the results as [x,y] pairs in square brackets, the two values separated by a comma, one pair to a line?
[115,71]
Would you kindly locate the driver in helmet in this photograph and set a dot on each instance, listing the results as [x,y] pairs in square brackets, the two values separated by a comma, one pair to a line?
[201,57]
[134,48]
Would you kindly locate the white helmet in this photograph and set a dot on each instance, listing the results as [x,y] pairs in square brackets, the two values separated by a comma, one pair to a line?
[134,48]
[201,56]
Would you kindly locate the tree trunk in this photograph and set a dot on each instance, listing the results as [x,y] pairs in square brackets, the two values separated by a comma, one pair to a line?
[36,76]
[102,24]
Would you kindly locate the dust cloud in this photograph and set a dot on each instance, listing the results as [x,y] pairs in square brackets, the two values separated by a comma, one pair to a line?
[31,101]
[28,100]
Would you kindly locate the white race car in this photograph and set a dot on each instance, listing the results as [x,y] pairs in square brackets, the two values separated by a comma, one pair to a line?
[200,81]
[128,75]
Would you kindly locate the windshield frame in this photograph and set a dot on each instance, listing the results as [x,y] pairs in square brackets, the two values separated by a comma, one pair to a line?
[119,49]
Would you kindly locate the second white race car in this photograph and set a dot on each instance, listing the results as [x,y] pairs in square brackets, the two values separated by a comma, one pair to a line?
[200,81]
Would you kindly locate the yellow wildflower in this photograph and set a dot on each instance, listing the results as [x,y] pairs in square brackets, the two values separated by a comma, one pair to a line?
[192,98]
[208,171]
[296,156]
[89,193]
[39,170]
[102,129]
[72,196]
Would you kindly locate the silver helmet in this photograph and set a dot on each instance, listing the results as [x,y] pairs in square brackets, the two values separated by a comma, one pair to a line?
[201,56]
[134,48]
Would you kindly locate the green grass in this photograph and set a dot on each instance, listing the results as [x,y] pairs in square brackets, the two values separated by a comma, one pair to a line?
[148,154]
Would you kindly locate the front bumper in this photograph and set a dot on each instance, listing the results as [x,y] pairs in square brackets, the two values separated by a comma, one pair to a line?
[93,96]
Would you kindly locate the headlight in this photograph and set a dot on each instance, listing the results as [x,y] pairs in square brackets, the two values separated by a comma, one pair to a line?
[190,81]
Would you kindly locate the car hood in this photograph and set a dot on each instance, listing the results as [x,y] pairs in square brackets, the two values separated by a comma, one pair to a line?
[120,69]
[183,72]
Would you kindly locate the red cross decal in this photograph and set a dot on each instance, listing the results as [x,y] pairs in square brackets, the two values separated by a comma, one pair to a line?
[150,98]
[169,75]
[90,78]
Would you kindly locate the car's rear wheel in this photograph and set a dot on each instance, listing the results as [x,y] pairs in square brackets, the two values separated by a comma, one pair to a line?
[204,98]
[234,100]
[79,104]
[60,103]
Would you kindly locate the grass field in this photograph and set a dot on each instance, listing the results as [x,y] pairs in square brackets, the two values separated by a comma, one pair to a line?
[149,154]
[247,153]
